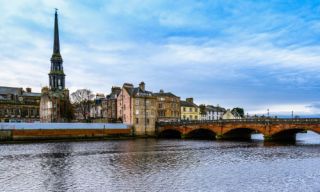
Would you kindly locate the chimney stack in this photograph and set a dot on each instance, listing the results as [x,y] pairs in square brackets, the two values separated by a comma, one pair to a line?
[128,85]
[28,89]
[115,89]
[142,86]
[189,100]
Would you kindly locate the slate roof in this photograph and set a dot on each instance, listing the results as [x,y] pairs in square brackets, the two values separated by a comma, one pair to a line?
[137,91]
[215,108]
[167,94]
[113,95]
[31,94]
[10,90]
[187,104]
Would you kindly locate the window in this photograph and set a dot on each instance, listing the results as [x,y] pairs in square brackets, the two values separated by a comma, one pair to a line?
[137,120]
[137,101]
[184,109]
[184,117]
[196,109]
[148,121]
[160,106]
[161,113]
[137,112]
[196,117]
[190,109]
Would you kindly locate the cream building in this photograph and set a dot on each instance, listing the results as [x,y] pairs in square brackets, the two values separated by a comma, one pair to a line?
[189,110]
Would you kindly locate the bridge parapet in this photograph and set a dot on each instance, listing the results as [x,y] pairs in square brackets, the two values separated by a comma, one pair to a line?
[258,120]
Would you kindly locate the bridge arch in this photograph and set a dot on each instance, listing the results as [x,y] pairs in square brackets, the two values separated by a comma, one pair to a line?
[201,133]
[170,134]
[240,133]
[290,132]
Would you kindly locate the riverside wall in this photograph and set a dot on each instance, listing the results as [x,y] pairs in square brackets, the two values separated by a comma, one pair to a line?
[65,131]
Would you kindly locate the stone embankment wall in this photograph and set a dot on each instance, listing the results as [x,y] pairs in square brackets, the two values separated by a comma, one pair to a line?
[78,131]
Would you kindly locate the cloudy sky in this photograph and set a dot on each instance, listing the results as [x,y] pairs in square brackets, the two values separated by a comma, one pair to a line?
[252,54]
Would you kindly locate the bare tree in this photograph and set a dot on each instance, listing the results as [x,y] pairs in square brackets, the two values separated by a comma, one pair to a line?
[82,100]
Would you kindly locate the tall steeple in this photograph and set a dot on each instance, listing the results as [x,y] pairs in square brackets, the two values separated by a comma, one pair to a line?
[56,43]
[56,75]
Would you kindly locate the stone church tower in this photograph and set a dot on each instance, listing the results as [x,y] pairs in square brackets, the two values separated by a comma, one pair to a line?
[55,105]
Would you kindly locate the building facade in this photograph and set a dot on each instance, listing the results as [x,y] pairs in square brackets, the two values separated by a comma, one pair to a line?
[189,110]
[168,107]
[18,105]
[137,107]
[96,109]
[213,113]
[109,105]
[231,115]
[55,104]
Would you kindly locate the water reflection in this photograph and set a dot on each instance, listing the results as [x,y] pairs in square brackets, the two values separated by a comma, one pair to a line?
[56,167]
[162,165]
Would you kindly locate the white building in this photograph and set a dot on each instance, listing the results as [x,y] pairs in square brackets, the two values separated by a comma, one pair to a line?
[96,111]
[231,115]
[213,113]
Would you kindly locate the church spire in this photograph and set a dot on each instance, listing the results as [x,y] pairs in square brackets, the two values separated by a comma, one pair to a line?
[56,75]
[56,43]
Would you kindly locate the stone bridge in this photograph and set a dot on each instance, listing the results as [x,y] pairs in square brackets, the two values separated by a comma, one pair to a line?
[270,128]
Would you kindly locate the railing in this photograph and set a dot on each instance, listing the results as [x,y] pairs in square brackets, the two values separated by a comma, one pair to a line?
[258,120]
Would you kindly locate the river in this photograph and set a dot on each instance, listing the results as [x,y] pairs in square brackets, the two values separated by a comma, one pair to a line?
[162,165]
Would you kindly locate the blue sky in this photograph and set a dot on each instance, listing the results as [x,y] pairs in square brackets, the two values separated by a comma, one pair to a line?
[253,54]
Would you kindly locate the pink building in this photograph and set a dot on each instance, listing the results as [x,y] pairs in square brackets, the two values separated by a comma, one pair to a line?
[137,107]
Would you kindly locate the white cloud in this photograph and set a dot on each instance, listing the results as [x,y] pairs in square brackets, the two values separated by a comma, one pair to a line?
[102,46]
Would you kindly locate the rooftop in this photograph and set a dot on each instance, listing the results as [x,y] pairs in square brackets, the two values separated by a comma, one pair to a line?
[187,104]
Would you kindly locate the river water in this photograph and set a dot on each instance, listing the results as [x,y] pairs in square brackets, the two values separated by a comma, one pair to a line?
[162,165]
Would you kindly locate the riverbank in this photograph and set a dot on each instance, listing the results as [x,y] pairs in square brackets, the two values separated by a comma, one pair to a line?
[15,132]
